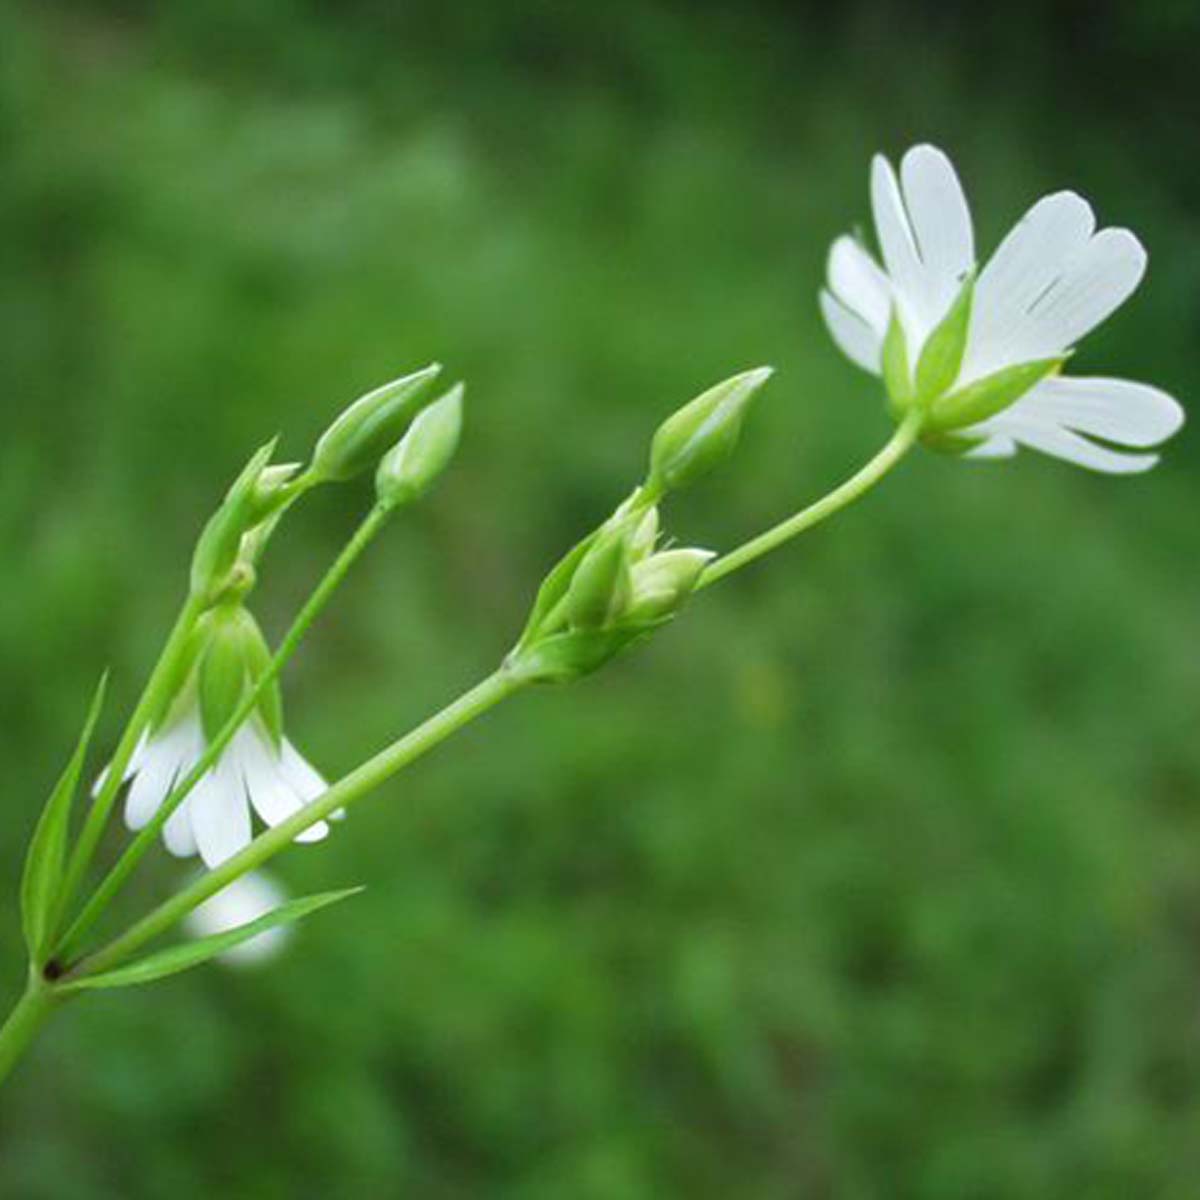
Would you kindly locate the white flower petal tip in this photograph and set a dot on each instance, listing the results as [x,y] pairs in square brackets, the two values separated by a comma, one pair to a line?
[214,820]
[1053,279]
[1061,416]
[243,900]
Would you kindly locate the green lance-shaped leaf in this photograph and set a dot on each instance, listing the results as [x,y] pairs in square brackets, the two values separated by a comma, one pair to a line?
[942,355]
[423,453]
[45,860]
[703,433]
[363,433]
[988,396]
[192,954]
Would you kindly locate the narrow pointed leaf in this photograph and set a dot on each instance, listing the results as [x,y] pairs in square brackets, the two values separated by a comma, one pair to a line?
[192,954]
[47,849]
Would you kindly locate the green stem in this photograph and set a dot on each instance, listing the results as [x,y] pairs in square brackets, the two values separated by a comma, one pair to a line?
[351,788]
[24,1022]
[160,678]
[147,836]
[861,482]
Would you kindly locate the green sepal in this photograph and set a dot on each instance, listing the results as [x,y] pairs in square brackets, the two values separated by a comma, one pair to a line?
[192,954]
[554,587]
[566,656]
[178,674]
[894,363]
[989,396]
[942,355]
[46,857]
[600,588]
[703,433]
[365,431]
[955,444]
[223,674]
[258,662]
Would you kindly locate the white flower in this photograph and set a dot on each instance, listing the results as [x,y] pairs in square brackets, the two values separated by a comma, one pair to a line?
[1053,279]
[258,770]
[241,901]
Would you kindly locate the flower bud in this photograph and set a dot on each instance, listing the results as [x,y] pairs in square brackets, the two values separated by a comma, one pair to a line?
[662,582]
[234,657]
[408,469]
[641,543]
[703,433]
[600,588]
[243,507]
[365,430]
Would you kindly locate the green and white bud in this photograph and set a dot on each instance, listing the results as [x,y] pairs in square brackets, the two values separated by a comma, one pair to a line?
[662,582]
[702,434]
[411,466]
[363,432]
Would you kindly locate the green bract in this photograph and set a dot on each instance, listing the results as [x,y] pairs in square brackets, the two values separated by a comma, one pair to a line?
[421,455]
[364,432]
[703,433]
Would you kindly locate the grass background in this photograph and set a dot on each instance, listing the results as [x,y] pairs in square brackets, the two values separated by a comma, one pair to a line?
[877,876]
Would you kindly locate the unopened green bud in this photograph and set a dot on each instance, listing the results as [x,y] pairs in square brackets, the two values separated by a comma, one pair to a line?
[662,582]
[703,433]
[423,452]
[217,550]
[600,588]
[235,656]
[364,431]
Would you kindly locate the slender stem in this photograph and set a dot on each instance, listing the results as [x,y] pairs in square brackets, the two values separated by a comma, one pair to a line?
[101,810]
[862,481]
[146,837]
[351,788]
[26,1019]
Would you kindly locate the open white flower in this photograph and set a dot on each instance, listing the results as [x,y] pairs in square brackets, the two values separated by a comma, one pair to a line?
[239,902]
[988,351]
[258,770]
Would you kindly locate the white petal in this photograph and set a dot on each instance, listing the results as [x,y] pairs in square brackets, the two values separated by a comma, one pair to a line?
[220,815]
[940,219]
[243,900]
[1094,284]
[301,774]
[856,279]
[162,762]
[273,797]
[1038,432]
[1118,410]
[1028,261]
[177,832]
[135,762]
[899,249]
[854,337]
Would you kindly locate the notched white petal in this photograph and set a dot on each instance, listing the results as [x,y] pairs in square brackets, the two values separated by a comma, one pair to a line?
[857,340]
[858,282]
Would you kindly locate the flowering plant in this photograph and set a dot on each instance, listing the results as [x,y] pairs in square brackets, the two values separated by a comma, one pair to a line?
[972,363]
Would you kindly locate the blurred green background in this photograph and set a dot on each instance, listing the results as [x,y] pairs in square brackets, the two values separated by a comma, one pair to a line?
[878,875]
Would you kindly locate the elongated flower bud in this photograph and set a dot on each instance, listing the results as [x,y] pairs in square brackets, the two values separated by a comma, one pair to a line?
[662,582]
[364,431]
[244,506]
[411,466]
[703,433]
